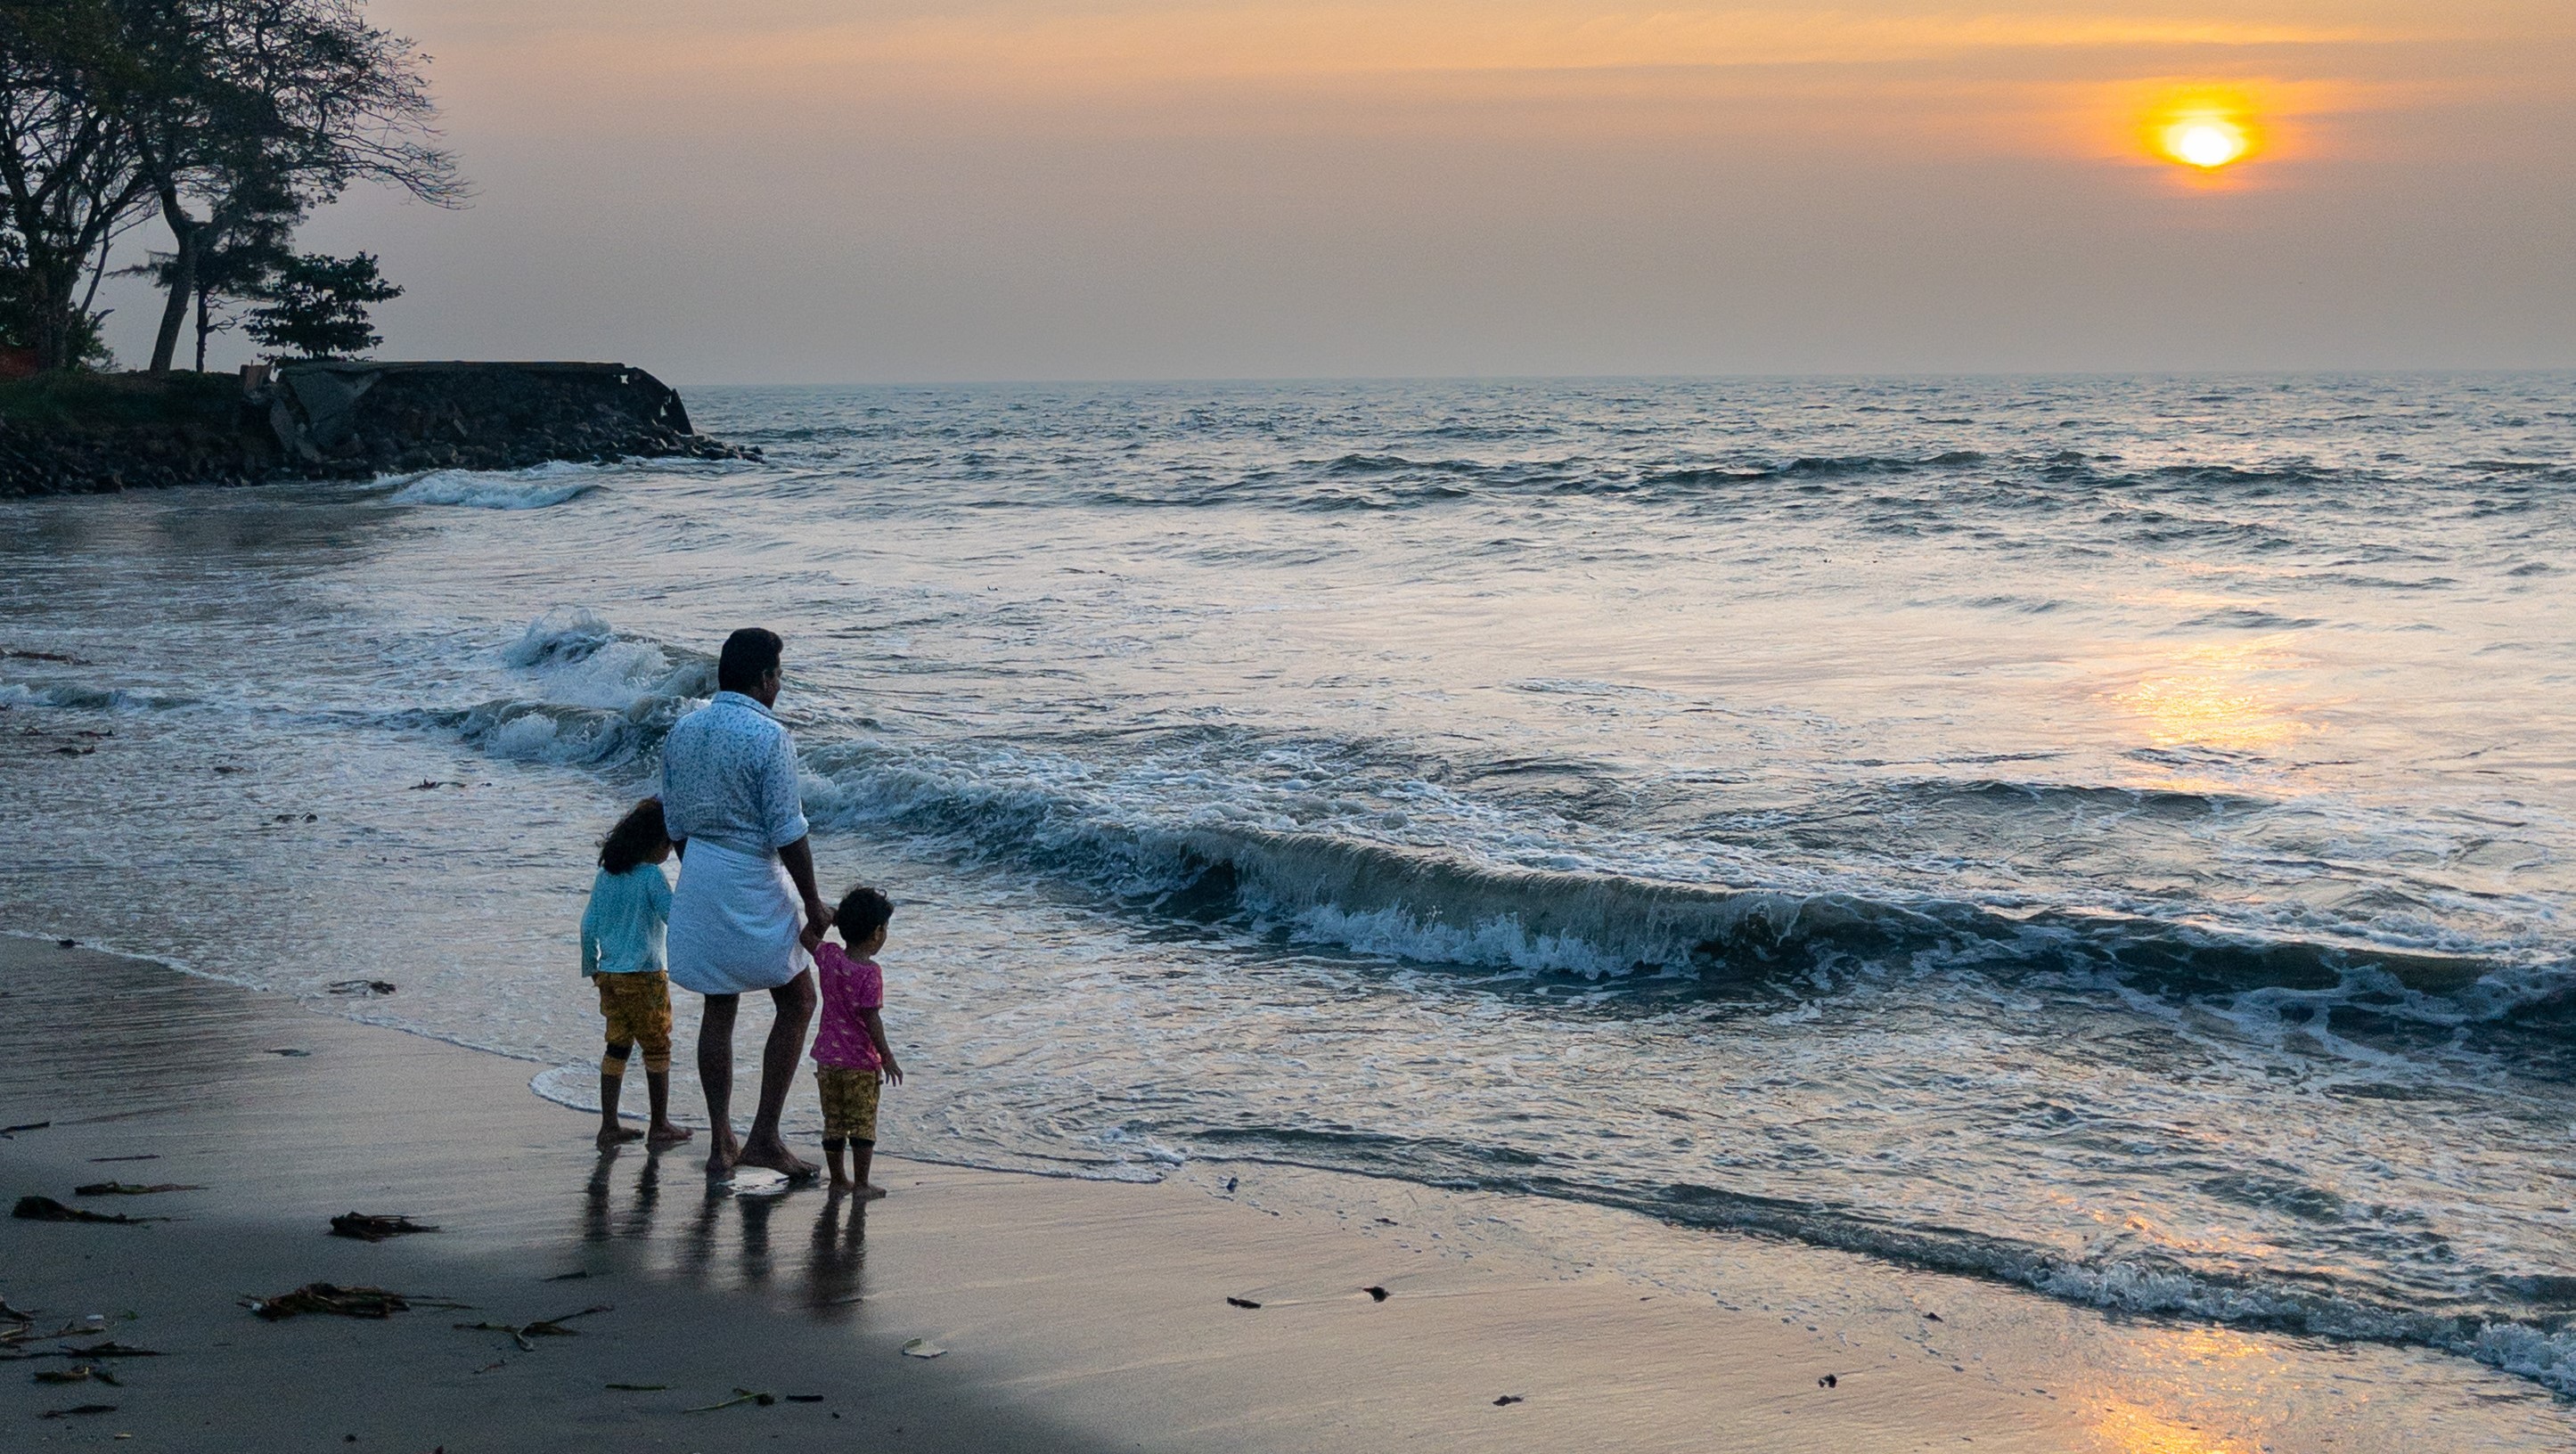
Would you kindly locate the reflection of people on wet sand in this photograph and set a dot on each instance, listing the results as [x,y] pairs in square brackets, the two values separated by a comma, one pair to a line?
[730,801]
[597,1225]
[838,1256]
[622,934]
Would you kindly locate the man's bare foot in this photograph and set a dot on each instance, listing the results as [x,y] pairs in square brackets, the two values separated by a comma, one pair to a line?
[774,1156]
[869,1191]
[666,1134]
[616,1136]
[722,1155]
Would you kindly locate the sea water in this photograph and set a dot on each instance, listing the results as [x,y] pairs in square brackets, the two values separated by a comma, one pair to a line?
[2114,836]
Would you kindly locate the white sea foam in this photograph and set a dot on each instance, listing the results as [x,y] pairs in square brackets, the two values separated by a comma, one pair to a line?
[528,489]
[2545,1356]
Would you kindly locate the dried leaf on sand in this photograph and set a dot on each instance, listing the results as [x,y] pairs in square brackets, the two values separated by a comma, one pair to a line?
[76,1410]
[347,1302]
[82,1373]
[922,1348]
[374,1227]
[130,1189]
[111,1350]
[46,1209]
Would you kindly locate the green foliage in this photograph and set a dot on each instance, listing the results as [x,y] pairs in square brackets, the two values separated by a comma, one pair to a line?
[80,333]
[232,119]
[317,307]
[87,401]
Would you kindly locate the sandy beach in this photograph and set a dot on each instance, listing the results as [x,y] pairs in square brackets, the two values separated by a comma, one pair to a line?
[1547,727]
[1073,1315]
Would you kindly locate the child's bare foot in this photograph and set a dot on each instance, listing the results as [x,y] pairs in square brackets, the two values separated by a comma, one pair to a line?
[666,1134]
[616,1136]
[841,1181]
[869,1191]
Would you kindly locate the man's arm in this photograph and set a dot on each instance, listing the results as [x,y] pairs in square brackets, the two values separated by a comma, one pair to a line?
[799,858]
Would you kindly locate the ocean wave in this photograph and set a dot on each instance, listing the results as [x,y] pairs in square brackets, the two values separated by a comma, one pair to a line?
[81,698]
[528,489]
[1169,846]
[1431,906]
[602,699]
[1809,467]
[2166,802]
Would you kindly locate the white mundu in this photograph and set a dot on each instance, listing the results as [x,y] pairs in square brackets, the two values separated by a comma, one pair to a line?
[729,795]
[734,922]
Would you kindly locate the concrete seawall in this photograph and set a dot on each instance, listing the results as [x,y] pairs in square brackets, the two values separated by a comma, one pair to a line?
[334,420]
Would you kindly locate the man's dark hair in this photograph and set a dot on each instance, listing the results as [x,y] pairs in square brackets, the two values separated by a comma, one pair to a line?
[863,912]
[749,655]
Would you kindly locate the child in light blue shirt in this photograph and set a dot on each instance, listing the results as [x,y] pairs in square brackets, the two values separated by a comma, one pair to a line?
[621,951]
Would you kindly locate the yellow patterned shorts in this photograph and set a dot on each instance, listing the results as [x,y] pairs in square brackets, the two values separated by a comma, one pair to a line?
[849,1102]
[638,1010]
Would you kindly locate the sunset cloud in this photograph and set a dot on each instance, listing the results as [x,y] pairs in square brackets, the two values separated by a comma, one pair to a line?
[1111,44]
[1048,188]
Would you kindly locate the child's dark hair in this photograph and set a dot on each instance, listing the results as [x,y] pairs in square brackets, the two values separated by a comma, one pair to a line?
[863,912]
[639,837]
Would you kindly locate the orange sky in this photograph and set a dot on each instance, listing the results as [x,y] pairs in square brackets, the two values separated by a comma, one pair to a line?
[1053,188]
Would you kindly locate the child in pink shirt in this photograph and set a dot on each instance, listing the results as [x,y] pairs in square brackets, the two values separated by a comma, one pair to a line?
[850,1049]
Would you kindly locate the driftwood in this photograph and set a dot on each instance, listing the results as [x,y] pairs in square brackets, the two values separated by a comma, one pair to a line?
[542,1328]
[740,1396]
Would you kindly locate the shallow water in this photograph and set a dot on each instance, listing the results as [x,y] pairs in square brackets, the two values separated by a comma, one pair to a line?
[2108,835]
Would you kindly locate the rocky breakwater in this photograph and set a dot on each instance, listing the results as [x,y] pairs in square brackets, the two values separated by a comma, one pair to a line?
[332,420]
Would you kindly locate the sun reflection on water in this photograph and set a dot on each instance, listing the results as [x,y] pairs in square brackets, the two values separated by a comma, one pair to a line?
[2220,697]
[2130,1429]
[2207,1361]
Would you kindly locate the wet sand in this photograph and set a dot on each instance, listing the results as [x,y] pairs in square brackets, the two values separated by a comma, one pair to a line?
[1075,1315]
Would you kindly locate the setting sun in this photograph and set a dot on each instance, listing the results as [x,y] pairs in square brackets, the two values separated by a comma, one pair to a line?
[2202,130]
[2205,144]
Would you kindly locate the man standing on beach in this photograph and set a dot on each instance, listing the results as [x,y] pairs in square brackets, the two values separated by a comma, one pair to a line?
[730,800]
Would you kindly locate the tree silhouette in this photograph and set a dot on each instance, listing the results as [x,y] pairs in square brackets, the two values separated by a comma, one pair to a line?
[317,307]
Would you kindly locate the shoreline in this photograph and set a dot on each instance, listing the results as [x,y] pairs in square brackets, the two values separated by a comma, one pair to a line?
[1078,1314]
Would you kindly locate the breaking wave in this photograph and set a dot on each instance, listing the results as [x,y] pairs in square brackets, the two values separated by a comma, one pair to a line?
[529,489]
[606,700]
